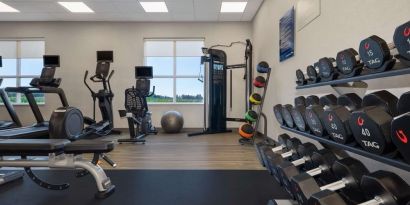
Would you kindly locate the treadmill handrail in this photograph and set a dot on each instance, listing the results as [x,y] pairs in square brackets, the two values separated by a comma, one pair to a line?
[43,89]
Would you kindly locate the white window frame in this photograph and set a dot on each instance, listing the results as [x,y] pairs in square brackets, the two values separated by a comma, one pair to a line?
[174,76]
[18,75]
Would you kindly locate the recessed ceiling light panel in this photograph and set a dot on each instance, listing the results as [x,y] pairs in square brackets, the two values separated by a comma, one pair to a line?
[158,7]
[6,8]
[76,7]
[233,7]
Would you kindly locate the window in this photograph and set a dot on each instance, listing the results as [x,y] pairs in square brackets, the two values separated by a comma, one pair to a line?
[22,61]
[177,66]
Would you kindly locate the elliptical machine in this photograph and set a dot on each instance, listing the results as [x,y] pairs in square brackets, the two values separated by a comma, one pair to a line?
[136,106]
[104,96]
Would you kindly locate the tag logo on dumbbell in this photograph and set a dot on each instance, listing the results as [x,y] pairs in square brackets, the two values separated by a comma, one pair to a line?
[330,117]
[360,121]
[367,46]
[406,32]
[402,136]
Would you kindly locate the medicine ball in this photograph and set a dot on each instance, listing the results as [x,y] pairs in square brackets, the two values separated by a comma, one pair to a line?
[246,131]
[259,82]
[255,99]
[263,67]
[251,116]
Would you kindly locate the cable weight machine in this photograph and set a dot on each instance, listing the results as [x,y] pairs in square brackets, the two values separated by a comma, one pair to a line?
[215,87]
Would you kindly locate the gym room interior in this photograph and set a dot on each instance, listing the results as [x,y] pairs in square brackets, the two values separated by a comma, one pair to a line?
[200,102]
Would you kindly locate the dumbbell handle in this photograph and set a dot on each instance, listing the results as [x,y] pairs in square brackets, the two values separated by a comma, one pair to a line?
[393,49]
[375,201]
[278,148]
[335,185]
[287,154]
[315,171]
[300,161]
[357,57]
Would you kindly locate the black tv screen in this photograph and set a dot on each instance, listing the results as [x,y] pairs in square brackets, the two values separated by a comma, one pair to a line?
[143,72]
[106,56]
[51,61]
[1,61]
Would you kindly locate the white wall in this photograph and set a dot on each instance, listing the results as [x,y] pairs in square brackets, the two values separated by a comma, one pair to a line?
[342,24]
[77,42]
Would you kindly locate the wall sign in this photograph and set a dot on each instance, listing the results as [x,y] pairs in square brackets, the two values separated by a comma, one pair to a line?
[287,35]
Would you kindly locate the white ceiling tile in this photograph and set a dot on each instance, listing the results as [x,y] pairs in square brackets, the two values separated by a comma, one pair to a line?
[127,10]
[204,16]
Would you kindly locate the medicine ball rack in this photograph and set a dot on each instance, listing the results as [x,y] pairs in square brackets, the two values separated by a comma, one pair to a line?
[259,112]
[357,82]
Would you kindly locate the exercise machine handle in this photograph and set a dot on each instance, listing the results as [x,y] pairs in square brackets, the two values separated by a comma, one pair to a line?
[86,84]
[108,80]
[153,92]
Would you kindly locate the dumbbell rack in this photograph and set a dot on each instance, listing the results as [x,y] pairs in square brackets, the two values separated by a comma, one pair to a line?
[399,69]
[259,112]
[357,82]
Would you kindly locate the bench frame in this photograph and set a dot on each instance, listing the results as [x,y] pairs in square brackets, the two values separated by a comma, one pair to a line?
[66,161]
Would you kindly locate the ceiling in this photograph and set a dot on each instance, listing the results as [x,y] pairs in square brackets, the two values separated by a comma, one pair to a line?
[127,10]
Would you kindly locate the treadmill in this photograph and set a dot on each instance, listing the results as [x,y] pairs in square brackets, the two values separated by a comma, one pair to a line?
[15,121]
[8,176]
[45,84]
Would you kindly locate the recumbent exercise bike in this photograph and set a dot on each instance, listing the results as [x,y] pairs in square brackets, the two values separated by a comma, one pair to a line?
[136,107]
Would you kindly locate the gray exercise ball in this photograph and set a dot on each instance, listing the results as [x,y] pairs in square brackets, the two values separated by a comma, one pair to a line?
[172,122]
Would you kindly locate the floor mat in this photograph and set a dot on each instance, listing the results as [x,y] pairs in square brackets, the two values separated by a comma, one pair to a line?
[150,187]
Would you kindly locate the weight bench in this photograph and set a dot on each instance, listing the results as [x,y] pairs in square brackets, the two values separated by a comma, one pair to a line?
[61,154]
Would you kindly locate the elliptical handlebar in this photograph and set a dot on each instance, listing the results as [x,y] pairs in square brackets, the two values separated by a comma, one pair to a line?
[86,84]
[108,80]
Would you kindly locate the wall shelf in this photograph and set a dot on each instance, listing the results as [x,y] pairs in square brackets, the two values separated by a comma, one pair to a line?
[356,149]
[399,69]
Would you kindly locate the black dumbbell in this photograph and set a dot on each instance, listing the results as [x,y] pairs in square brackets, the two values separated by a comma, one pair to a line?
[291,153]
[401,40]
[277,110]
[336,117]
[348,171]
[312,72]
[327,69]
[300,103]
[349,63]
[272,146]
[288,169]
[300,77]
[400,127]
[298,112]
[287,116]
[318,163]
[313,114]
[375,53]
[281,147]
[380,187]
[371,125]
[262,147]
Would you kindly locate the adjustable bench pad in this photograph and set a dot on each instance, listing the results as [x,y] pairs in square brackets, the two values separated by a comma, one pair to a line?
[28,146]
[89,146]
